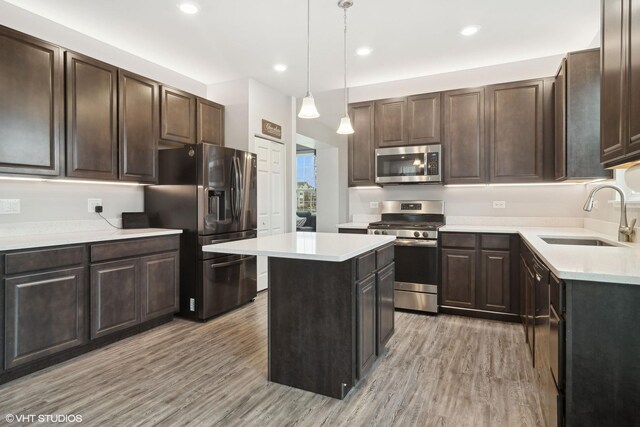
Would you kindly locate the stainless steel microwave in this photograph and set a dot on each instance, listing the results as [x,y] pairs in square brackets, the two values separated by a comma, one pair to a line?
[409,165]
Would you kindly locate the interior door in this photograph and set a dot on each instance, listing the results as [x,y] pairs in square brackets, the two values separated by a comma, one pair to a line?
[270,197]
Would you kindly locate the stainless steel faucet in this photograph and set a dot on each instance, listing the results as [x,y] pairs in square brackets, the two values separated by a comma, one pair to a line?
[625,231]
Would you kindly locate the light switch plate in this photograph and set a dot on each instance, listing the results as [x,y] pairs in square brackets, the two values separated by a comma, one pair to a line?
[373,205]
[9,206]
[499,204]
[92,203]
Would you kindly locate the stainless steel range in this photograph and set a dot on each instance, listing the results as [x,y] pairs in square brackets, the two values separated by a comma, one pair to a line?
[415,224]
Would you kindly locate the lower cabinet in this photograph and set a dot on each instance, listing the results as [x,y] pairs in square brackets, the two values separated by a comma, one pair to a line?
[479,275]
[385,280]
[45,314]
[366,324]
[158,285]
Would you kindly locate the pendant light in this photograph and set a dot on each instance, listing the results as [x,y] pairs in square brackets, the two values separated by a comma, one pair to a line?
[345,127]
[308,109]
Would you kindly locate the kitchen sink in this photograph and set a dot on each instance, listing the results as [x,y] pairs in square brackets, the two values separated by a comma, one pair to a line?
[578,241]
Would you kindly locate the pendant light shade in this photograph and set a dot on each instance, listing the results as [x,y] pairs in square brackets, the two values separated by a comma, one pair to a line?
[308,109]
[345,127]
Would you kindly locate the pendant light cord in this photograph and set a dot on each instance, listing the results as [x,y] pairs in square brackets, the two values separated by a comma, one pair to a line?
[308,47]
[346,99]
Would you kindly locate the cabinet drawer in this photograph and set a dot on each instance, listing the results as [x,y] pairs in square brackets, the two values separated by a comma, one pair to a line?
[495,241]
[458,240]
[44,259]
[133,248]
[384,256]
[365,265]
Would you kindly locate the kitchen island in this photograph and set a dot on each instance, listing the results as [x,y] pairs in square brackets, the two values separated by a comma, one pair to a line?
[331,306]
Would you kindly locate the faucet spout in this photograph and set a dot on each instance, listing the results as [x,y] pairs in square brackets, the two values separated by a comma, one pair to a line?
[624,231]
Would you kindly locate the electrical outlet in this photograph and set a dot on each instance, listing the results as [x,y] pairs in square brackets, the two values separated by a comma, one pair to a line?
[192,304]
[92,203]
[9,206]
[499,204]
[373,205]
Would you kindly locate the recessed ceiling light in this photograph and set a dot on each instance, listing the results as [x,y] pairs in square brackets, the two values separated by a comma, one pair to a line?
[364,51]
[470,30]
[280,67]
[188,8]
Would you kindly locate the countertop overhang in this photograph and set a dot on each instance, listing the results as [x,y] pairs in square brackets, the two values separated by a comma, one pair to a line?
[333,247]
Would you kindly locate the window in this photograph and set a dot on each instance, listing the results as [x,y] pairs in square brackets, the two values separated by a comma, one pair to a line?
[306,178]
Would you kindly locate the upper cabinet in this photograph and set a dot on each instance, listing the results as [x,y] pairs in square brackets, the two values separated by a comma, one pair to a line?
[138,116]
[424,119]
[210,119]
[577,117]
[464,136]
[391,122]
[177,116]
[516,145]
[361,145]
[91,118]
[31,104]
[620,84]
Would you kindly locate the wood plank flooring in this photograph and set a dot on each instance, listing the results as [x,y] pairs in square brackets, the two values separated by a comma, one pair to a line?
[438,371]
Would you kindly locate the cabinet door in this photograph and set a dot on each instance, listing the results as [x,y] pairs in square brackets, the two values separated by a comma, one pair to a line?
[632,150]
[464,136]
[91,119]
[159,285]
[210,119]
[386,310]
[560,105]
[115,296]
[45,313]
[529,282]
[177,116]
[495,281]
[361,145]
[424,119]
[138,115]
[367,342]
[516,145]
[523,296]
[31,103]
[459,277]
[612,97]
[391,122]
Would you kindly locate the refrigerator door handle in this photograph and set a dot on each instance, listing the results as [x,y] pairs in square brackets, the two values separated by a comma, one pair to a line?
[240,188]
[234,189]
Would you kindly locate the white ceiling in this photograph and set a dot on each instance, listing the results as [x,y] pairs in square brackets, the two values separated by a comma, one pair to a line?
[410,38]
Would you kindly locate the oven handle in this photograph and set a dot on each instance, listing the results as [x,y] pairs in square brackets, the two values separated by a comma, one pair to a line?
[412,242]
[229,263]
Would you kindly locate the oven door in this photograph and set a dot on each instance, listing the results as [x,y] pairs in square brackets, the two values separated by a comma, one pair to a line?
[408,165]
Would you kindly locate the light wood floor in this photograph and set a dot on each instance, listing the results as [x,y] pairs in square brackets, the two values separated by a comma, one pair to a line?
[444,370]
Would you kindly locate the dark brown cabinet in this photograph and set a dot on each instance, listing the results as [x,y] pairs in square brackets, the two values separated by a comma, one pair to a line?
[495,281]
[91,118]
[479,275]
[459,277]
[115,296]
[138,122]
[424,119]
[391,121]
[577,117]
[31,104]
[367,342]
[385,281]
[361,145]
[210,119]
[464,136]
[177,116]
[515,122]
[158,288]
[620,85]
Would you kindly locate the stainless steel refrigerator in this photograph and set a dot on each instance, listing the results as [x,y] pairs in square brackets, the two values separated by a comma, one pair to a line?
[210,193]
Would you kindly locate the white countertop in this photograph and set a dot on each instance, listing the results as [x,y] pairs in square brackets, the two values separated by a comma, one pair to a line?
[355,225]
[587,263]
[11,243]
[304,245]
